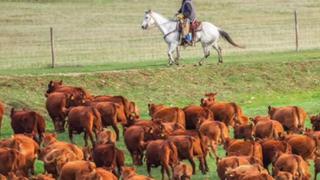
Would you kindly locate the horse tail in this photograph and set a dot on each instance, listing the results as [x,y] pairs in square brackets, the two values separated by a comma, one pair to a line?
[227,37]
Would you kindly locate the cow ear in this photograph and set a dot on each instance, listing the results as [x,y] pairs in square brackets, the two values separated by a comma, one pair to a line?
[61,81]
[269,108]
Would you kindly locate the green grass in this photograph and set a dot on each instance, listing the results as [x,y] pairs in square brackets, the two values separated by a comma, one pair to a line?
[254,81]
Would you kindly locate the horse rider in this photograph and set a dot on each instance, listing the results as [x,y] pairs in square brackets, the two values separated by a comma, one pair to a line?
[187,16]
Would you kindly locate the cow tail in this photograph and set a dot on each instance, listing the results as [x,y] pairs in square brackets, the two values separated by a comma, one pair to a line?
[299,166]
[298,116]
[173,149]
[12,159]
[97,115]
[202,143]
[221,131]
[236,113]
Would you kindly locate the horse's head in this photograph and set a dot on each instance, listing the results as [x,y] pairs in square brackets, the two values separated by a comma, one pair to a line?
[147,20]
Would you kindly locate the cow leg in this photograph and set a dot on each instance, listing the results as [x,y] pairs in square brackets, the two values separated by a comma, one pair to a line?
[214,150]
[116,130]
[193,165]
[202,165]
[166,168]
[149,169]
[85,137]
[71,136]
[91,138]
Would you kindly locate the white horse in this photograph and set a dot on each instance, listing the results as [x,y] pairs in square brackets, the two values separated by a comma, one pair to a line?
[208,35]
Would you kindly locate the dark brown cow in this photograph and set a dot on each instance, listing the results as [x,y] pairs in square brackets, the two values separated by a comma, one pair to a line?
[292,118]
[303,145]
[293,164]
[229,113]
[28,122]
[57,105]
[271,147]
[213,133]
[26,146]
[233,162]
[167,114]
[84,119]
[315,121]
[108,156]
[161,153]
[136,136]
[1,114]
[111,113]
[76,170]
[244,148]
[194,114]
[12,161]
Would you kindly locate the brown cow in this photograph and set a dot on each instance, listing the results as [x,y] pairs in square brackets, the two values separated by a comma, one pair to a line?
[104,174]
[229,113]
[111,113]
[245,171]
[292,118]
[76,170]
[57,86]
[244,148]
[161,153]
[244,131]
[12,161]
[129,173]
[185,145]
[282,175]
[1,114]
[108,156]
[268,129]
[136,136]
[167,114]
[195,113]
[271,147]
[84,119]
[213,133]
[128,107]
[233,162]
[293,164]
[28,122]
[182,171]
[303,145]
[106,136]
[316,167]
[26,146]
[315,121]
[57,105]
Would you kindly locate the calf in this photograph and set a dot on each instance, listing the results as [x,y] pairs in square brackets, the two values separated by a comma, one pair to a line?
[28,122]
[161,153]
[182,171]
[129,173]
[167,114]
[292,118]
[76,170]
[291,163]
[84,119]
[271,147]
[195,113]
[213,133]
[108,156]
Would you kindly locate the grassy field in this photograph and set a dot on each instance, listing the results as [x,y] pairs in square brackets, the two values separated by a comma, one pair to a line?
[99,32]
[276,79]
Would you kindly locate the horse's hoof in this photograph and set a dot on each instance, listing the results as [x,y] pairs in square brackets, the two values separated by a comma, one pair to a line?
[195,65]
[200,63]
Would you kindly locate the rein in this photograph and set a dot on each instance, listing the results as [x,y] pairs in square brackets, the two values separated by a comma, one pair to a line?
[165,36]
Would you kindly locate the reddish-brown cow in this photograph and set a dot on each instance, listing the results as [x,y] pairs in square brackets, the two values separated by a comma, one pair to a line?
[229,113]
[161,153]
[28,122]
[315,121]
[194,114]
[1,114]
[12,161]
[244,148]
[303,145]
[292,118]
[129,173]
[76,170]
[167,114]
[84,119]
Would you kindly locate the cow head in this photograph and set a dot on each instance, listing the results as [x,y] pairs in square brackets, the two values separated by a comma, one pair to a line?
[53,85]
[271,110]
[133,108]
[209,99]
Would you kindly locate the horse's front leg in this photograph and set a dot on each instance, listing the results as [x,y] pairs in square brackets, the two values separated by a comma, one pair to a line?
[206,53]
[178,54]
[171,50]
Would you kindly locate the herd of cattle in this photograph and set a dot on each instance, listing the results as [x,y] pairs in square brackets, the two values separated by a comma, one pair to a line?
[172,135]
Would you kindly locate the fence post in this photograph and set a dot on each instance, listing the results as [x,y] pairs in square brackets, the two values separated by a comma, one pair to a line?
[52,48]
[296,30]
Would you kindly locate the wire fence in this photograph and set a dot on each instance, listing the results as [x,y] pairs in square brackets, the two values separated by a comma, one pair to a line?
[122,40]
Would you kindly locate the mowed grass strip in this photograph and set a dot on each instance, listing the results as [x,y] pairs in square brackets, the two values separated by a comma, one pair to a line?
[253,85]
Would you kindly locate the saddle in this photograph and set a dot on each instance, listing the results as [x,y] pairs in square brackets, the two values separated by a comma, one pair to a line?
[194,27]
